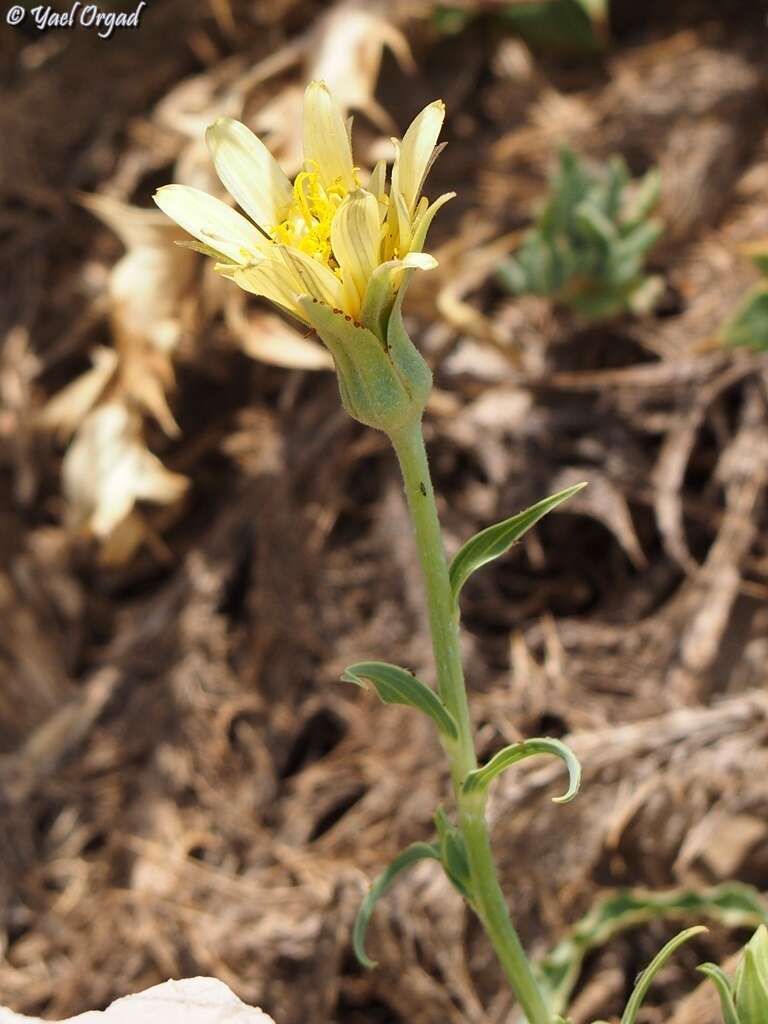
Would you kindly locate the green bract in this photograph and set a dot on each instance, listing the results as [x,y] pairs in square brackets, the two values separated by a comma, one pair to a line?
[591,240]
[383,380]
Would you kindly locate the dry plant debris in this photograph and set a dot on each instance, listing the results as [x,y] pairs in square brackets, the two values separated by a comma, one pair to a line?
[185,786]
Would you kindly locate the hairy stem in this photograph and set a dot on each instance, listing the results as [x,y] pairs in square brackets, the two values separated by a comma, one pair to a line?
[487,895]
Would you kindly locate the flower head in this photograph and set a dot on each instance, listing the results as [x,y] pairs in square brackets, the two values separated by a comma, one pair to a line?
[326,248]
[326,235]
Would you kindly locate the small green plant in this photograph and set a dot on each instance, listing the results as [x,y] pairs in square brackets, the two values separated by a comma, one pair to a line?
[748,327]
[744,1000]
[591,240]
[731,904]
[336,251]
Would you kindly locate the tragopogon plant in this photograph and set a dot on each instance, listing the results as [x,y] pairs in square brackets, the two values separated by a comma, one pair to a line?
[336,250]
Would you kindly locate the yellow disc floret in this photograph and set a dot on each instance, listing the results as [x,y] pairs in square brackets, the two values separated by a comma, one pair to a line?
[307,225]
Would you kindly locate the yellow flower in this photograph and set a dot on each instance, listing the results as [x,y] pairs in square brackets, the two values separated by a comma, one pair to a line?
[325,237]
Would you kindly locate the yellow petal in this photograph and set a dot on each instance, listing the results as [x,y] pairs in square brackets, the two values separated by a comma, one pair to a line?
[326,141]
[423,220]
[415,152]
[269,278]
[211,221]
[355,237]
[377,182]
[312,277]
[399,208]
[249,172]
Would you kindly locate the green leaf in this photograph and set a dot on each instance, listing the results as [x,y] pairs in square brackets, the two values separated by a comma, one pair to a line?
[750,986]
[644,201]
[723,986]
[480,779]
[409,856]
[646,978]
[565,26]
[732,904]
[453,854]
[395,685]
[498,539]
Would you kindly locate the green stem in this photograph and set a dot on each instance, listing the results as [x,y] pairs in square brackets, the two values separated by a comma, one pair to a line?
[488,898]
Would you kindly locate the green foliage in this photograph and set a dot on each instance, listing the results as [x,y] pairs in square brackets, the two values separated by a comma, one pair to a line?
[732,904]
[748,327]
[409,856]
[562,26]
[750,987]
[591,240]
[559,26]
[479,780]
[723,985]
[496,540]
[396,685]
[453,854]
[745,1000]
[646,978]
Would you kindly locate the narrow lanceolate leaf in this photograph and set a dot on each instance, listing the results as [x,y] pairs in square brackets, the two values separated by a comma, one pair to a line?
[396,686]
[498,539]
[723,986]
[479,780]
[646,978]
[382,885]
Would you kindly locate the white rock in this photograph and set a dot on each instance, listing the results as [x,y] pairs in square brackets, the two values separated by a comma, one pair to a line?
[192,1001]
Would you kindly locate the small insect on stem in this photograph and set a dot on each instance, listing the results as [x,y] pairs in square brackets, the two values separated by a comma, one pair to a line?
[423,489]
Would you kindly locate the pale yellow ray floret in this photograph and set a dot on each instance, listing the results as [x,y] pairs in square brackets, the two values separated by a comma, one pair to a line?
[326,235]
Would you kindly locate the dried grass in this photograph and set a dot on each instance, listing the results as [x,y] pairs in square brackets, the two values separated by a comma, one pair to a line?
[185,786]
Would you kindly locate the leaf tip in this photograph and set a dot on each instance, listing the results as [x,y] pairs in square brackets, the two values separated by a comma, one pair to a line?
[348,676]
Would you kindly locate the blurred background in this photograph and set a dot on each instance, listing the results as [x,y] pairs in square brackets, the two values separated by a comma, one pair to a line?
[196,540]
